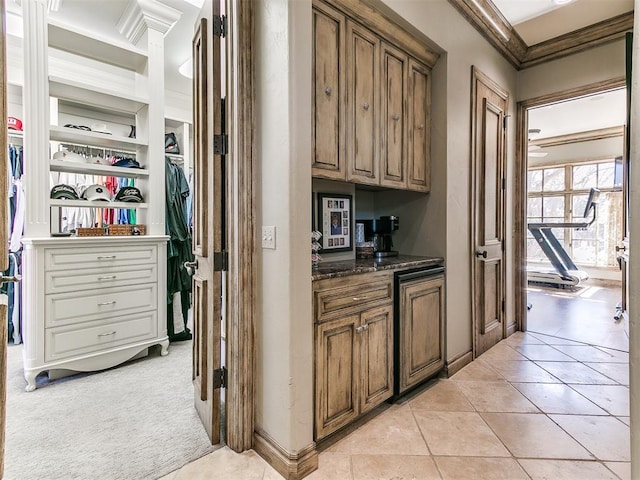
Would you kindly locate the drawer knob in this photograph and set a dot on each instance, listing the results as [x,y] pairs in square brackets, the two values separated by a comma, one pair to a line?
[107,334]
[106,257]
[110,277]
[327,90]
[102,304]
[365,106]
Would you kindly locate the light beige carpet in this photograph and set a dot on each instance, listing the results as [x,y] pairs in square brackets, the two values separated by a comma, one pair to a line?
[135,421]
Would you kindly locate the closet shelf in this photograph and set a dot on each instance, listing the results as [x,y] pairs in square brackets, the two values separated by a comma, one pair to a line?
[94,95]
[96,169]
[95,204]
[83,137]
[89,44]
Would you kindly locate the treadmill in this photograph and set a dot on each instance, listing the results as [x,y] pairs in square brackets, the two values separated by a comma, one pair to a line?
[565,273]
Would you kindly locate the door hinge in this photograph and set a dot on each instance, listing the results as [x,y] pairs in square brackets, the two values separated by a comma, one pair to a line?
[220,144]
[220,261]
[502,306]
[504,184]
[220,378]
[220,26]
[504,121]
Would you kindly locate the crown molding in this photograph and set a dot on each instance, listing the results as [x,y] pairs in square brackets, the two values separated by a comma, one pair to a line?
[590,135]
[141,15]
[485,17]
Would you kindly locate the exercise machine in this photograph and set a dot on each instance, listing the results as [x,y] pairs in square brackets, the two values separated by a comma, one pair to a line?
[565,272]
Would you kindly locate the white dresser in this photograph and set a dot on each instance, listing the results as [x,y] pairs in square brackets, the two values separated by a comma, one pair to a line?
[92,303]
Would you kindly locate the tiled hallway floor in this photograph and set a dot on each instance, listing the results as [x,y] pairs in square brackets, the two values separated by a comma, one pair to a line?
[533,407]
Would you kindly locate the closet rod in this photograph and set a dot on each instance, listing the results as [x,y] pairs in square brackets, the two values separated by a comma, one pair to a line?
[100,149]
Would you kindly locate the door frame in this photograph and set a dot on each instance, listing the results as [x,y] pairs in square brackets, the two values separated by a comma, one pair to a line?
[520,190]
[241,214]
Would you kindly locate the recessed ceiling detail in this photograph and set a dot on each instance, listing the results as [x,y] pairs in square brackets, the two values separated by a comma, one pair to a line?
[596,26]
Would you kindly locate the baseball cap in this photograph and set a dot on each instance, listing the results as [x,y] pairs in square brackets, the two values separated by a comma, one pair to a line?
[64,191]
[96,192]
[69,157]
[127,162]
[129,194]
[14,123]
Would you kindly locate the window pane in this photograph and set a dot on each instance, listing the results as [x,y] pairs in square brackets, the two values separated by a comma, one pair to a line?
[578,202]
[534,252]
[584,252]
[534,207]
[605,175]
[553,179]
[553,207]
[585,176]
[534,180]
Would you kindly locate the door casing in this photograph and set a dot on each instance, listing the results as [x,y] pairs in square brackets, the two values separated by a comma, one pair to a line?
[520,190]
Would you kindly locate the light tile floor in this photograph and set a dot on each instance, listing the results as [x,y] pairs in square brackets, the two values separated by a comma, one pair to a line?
[534,407]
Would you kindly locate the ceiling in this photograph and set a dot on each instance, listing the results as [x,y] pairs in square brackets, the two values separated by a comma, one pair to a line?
[102,17]
[539,20]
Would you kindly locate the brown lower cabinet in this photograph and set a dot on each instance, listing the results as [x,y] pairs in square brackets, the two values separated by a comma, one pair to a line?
[353,349]
[355,337]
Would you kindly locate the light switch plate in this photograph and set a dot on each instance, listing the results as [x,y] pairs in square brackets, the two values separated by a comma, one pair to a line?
[269,237]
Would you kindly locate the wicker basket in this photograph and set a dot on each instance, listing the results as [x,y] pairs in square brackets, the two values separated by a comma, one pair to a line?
[120,230]
[90,232]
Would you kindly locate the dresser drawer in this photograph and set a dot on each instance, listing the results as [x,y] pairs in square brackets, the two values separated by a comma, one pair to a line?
[94,257]
[59,281]
[73,340]
[73,307]
[352,294]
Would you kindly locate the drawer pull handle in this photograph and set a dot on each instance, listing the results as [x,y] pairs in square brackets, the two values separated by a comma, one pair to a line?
[112,302]
[359,329]
[106,257]
[111,277]
[107,334]
[357,299]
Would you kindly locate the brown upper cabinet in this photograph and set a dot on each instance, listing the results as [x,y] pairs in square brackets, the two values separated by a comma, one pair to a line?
[371,98]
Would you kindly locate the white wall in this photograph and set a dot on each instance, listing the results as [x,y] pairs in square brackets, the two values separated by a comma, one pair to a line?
[284,387]
[584,68]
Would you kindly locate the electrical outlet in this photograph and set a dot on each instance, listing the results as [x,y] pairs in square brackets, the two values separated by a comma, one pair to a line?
[269,237]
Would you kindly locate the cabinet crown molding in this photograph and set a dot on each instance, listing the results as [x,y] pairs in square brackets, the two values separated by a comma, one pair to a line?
[147,14]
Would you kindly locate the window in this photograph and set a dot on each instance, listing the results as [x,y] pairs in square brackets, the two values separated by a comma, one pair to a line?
[559,194]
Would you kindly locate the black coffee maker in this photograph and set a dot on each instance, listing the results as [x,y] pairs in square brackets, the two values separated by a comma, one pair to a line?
[379,232]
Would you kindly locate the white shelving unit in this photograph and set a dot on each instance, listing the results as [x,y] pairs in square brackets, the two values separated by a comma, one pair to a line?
[74,319]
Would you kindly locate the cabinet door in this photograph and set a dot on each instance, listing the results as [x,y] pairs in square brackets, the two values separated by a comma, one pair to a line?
[419,150]
[421,330]
[328,117]
[363,79]
[337,372]
[393,149]
[377,356]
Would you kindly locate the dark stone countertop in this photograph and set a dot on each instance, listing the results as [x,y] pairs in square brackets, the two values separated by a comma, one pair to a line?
[352,267]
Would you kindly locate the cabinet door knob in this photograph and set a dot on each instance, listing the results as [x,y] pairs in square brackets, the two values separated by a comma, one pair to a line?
[327,90]
[395,117]
[365,106]
[421,126]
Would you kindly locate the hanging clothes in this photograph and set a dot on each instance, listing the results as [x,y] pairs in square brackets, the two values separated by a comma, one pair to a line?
[16,200]
[178,252]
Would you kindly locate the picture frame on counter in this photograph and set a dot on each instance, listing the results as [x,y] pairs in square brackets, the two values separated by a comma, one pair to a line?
[334,221]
